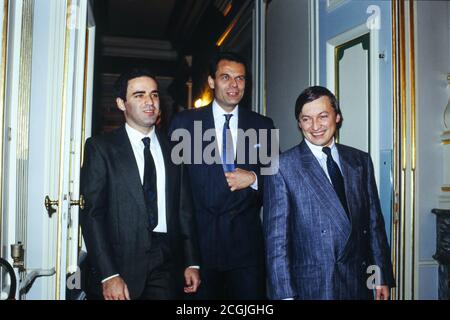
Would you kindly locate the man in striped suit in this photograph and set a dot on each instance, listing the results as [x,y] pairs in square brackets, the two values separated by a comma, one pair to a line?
[324,231]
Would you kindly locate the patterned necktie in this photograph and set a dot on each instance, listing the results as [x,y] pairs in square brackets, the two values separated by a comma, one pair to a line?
[227,146]
[149,185]
[336,178]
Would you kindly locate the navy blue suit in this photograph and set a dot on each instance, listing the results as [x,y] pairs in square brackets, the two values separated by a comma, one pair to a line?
[313,250]
[228,223]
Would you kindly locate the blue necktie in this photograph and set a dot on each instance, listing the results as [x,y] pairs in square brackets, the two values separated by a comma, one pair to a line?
[336,178]
[149,185]
[227,146]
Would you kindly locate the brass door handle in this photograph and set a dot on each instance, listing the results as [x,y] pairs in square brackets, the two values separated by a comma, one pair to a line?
[49,205]
[79,203]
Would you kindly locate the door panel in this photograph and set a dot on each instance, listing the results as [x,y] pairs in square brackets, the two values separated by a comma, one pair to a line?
[46,69]
[341,22]
[352,90]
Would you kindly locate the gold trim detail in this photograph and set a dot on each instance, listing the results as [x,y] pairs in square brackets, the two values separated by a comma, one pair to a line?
[446,141]
[445,189]
[405,147]
[231,26]
[23,121]
[395,206]
[62,151]
[4,30]
[227,32]
[83,118]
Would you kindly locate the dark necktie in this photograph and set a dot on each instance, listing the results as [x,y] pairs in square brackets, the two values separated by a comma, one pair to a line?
[227,146]
[336,178]
[149,185]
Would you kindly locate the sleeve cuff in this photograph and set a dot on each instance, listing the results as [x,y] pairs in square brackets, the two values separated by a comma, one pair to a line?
[254,185]
[113,276]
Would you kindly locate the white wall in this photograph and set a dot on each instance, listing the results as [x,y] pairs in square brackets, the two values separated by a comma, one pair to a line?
[287,50]
[432,49]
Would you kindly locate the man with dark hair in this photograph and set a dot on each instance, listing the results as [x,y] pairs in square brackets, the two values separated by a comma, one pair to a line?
[138,220]
[313,93]
[227,193]
[323,226]
[228,56]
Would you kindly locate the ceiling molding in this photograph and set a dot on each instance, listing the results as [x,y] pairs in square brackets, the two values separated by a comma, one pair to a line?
[236,28]
[138,48]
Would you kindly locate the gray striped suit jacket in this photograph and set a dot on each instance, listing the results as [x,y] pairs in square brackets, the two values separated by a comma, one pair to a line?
[314,251]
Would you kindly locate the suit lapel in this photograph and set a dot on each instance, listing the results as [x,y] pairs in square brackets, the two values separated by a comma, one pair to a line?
[319,182]
[350,173]
[207,119]
[243,119]
[127,166]
[208,123]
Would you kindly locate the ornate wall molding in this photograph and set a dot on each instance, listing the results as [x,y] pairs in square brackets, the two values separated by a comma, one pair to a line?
[4,37]
[23,121]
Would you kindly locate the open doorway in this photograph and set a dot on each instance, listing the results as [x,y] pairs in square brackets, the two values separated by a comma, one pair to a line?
[175,40]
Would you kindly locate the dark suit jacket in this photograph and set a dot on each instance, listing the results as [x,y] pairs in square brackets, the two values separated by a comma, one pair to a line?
[115,222]
[228,223]
[313,250]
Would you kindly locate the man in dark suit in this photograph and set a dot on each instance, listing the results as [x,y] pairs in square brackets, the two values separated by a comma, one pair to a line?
[227,191]
[323,226]
[138,220]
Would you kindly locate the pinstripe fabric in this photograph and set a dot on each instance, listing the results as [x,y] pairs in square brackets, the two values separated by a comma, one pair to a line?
[313,250]
[228,223]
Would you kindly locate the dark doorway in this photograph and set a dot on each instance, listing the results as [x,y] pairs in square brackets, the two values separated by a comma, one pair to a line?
[175,39]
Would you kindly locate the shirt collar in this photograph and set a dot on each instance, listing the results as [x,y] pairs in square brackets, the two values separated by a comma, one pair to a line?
[317,150]
[218,112]
[137,136]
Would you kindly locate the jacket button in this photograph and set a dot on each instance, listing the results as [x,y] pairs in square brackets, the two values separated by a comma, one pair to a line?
[364,231]
[324,231]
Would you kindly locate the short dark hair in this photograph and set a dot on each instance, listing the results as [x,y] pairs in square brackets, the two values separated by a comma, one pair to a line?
[313,93]
[225,55]
[121,85]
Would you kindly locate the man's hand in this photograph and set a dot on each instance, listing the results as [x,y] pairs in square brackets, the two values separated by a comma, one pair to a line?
[382,293]
[192,280]
[240,179]
[115,289]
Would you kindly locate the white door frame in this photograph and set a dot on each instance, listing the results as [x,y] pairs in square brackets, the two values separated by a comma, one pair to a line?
[58,81]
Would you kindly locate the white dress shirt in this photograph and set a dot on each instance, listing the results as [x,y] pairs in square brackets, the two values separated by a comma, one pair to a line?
[219,122]
[155,149]
[322,157]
